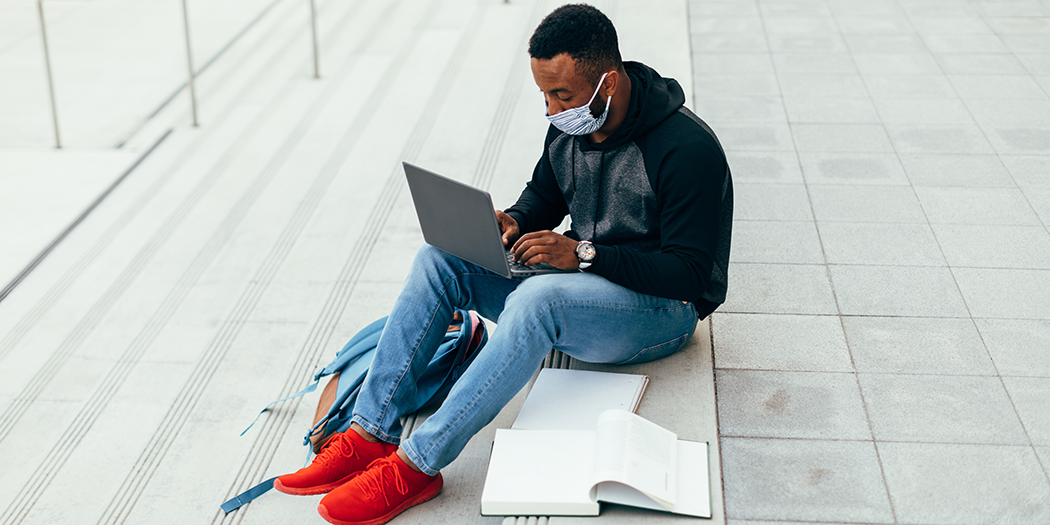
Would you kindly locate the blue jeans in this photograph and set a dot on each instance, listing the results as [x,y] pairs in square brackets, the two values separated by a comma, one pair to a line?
[582,314]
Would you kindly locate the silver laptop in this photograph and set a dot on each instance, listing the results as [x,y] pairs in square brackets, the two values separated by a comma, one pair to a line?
[461,220]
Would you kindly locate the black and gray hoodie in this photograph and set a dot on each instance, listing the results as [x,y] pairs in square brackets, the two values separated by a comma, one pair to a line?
[656,197]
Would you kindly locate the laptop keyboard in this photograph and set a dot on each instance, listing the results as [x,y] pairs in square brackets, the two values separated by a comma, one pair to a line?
[519,267]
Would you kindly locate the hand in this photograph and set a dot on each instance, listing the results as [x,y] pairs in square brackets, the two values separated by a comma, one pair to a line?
[548,247]
[508,226]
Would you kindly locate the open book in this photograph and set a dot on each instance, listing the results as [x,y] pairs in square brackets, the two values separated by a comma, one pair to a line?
[626,459]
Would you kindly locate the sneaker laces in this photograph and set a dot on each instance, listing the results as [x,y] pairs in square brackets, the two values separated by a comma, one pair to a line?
[337,448]
[374,479]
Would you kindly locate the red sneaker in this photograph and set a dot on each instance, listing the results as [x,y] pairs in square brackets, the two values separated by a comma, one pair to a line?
[383,491]
[343,457]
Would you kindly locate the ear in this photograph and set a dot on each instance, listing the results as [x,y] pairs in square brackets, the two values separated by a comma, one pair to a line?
[611,84]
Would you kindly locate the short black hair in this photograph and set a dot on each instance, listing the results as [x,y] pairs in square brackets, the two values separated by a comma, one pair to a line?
[582,31]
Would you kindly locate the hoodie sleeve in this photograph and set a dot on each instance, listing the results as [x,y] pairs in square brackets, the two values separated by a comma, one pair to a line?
[541,205]
[688,177]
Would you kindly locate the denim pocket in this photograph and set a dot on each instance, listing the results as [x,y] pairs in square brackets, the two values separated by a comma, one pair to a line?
[652,353]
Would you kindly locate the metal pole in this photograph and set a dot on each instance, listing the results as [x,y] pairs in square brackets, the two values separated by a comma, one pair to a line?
[189,60]
[313,25]
[50,81]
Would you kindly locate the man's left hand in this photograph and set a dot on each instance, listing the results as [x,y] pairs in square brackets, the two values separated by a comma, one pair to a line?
[548,247]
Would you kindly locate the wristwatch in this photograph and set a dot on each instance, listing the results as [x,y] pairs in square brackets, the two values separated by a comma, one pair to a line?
[585,252]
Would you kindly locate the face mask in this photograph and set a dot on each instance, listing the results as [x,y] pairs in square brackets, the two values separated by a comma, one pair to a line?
[579,121]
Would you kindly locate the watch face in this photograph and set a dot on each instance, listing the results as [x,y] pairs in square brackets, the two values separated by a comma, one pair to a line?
[586,251]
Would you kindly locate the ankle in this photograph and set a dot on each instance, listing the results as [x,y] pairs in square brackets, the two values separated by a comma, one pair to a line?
[363,433]
[408,462]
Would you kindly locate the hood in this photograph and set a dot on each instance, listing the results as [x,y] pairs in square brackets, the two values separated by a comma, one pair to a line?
[653,99]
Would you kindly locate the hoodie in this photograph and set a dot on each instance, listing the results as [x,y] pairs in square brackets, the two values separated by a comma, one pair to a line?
[655,198]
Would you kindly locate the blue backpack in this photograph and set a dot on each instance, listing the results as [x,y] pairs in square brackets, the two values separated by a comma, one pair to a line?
[465,336]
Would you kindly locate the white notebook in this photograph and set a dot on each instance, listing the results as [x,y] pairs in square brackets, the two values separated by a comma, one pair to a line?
[573,399]
[626,459]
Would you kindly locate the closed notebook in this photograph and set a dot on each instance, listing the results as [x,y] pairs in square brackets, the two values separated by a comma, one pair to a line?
[573,399]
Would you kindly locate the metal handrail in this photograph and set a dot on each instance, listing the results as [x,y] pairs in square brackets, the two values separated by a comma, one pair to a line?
[313,27]
[189,61]
[50,80]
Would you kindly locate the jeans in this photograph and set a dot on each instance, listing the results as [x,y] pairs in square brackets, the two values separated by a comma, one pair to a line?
[582,314]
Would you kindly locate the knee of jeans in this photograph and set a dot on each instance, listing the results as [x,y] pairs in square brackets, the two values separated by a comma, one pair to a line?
[538,299]
[429,254]
[429,258]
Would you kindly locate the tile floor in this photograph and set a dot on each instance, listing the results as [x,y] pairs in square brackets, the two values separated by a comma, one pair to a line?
[884,356]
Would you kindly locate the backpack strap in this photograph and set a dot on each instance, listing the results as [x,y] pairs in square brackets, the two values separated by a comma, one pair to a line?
[364,341]
[247,496]
[303,392]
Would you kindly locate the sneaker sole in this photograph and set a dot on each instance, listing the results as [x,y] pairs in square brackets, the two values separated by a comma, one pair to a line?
[429,493]
[310,491]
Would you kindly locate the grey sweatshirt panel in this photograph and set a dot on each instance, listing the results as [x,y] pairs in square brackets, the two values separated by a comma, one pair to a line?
[611,201]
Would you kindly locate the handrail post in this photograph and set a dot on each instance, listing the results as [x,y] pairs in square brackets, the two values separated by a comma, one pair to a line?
[189,61]
[50,80]
[313,25]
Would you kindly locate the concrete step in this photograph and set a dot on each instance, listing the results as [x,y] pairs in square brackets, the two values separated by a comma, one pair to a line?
[247,251]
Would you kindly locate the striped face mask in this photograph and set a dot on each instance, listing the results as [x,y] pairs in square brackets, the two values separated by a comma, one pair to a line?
[579,121]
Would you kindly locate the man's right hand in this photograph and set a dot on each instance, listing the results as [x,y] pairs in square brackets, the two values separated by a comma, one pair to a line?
[509,227]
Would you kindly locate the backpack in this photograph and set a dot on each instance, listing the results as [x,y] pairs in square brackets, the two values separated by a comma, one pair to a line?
[464,337]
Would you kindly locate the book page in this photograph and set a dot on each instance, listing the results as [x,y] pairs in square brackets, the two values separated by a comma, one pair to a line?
[631,450]
[694,480]
[694,487]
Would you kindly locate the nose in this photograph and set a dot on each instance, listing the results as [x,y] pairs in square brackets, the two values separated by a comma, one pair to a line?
[552,109]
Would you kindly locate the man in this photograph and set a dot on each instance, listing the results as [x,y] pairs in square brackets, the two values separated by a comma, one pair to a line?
[650,196]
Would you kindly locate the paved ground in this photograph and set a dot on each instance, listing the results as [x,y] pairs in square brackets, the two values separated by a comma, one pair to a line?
[884,356]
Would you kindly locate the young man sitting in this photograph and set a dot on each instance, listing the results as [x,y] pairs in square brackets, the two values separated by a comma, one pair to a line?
[650,196]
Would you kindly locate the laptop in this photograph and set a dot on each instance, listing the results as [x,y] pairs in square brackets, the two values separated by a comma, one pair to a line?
[461,220]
